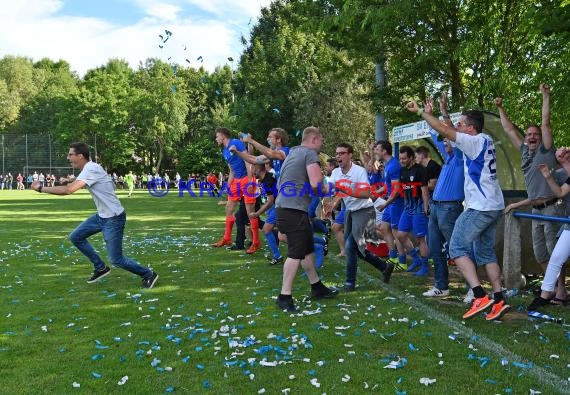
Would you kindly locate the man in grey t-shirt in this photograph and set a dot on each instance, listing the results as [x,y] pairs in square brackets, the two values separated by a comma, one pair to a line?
[110,218]
[537,148]
[300,179]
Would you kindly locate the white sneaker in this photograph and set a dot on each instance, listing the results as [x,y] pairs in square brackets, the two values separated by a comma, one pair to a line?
[468,299]
[436,292]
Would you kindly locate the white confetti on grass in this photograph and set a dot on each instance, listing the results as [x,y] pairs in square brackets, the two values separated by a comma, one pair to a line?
[427,381]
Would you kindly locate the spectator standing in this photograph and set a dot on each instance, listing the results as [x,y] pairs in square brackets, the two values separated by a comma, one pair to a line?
[445,206]
[537,148]
[475,228]
[351,183]
[550,287]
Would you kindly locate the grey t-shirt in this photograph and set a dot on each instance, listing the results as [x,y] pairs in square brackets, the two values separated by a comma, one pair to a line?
[101,188]
[536,185]
[561,178]
[294,187]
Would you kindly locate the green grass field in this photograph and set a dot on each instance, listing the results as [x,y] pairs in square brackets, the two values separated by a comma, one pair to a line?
[210,325]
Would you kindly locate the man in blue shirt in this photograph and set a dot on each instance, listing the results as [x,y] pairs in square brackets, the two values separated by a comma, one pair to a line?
[276,154]
[446,205]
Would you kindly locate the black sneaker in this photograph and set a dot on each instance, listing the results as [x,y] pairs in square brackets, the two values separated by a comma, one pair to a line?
[286,304]
[275,261]
[349,287]
[323,293]
[387,273]
[234,247]
[99,274]
[149,282]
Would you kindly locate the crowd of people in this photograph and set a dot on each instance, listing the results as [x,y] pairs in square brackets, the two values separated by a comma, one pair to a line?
[452,210]
[297,198]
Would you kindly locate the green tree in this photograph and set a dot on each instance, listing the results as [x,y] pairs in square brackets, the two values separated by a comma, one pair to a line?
[16,87]
[55,83]
[159,111]
[100,113]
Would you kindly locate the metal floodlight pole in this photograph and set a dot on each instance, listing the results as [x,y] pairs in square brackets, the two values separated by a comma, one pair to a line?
[49,142]
[27,168]
[380,133]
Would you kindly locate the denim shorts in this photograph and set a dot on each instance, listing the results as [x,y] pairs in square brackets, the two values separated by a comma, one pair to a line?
[474,234]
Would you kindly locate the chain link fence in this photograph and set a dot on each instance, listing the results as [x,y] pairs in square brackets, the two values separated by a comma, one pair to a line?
[28,153]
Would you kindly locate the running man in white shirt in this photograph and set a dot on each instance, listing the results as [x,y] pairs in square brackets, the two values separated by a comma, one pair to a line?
[110,218]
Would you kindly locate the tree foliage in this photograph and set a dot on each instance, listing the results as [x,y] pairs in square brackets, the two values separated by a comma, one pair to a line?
[305,62]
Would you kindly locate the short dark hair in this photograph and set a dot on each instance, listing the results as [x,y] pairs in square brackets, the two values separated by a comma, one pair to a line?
[225,131]
[386,146]
[80,149]
[333,162]
[474,118]
[422,151]
[408,150]
[347,146]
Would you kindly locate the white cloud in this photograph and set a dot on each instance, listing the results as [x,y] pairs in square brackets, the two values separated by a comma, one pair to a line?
[159,9]
[32,28]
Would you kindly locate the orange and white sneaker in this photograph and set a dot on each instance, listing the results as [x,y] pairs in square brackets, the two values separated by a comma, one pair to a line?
[253,247]
[222,242]
[479,304]
[497,310]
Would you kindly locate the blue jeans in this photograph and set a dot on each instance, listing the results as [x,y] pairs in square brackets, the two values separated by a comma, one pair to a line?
[442,219]
[353,253]
[112,229]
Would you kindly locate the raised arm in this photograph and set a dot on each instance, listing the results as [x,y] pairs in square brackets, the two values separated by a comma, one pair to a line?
[545,128]
[508,125]
[246,156]
[443,109]
[268,152]
[436,124]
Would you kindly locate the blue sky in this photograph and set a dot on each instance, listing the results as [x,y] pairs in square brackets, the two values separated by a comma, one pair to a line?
[87,33]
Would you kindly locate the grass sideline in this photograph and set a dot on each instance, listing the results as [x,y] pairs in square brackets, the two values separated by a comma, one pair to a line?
[211,326]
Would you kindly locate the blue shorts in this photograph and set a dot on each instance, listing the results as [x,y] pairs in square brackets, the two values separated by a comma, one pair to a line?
[474,235]
[393,212]
[271,216]
[339,219]
[418,223]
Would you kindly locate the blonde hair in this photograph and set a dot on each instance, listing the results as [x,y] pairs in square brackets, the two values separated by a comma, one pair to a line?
[311,131]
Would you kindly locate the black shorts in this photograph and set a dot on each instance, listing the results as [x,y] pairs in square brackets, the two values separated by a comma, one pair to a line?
[296,226]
